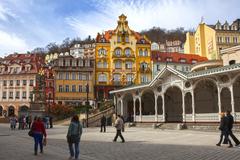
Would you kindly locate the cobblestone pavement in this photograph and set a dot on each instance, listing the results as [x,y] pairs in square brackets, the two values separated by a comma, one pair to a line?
[141,144]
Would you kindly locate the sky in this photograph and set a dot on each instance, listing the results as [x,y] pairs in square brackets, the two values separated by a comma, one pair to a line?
[27,24]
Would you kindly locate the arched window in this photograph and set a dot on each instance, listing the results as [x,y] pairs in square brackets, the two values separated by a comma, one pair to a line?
[116,77]
[118,64]
[143,66]
[118,52]
[232,62]
[102,78]
[102,52]
[128,52]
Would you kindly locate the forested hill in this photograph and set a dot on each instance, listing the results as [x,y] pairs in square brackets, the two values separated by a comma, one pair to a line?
[157,34]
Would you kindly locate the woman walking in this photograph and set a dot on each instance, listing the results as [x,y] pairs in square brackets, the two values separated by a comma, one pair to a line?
[39,131]
[74,136]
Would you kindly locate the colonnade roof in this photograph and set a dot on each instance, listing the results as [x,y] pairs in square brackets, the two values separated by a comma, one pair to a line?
[183,75]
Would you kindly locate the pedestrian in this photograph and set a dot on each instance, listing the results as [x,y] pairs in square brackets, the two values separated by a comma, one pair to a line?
[51,121]
[224,124]
[39,131]
[230,126]
[73,137]
[13,121]
[103,124]
[119,125]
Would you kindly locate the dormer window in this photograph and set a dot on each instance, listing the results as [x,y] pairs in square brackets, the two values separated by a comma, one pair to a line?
[182,60]
[142,41]
[102,40]
[169,59]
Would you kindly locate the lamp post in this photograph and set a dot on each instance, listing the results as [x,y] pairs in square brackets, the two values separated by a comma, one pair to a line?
[87,103]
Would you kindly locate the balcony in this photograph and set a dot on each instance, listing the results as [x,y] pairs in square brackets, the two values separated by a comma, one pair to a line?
[123,56]
[145,70]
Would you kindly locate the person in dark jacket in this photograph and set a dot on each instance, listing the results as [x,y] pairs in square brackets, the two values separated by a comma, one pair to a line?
[73,136]
[38,133]
[103,124]
[230,126]
[224,124]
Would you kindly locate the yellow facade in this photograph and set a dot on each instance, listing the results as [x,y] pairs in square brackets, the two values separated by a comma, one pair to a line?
[208,40]
[122,57]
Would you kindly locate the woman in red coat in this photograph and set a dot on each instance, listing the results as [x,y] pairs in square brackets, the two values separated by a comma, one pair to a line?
[38,133]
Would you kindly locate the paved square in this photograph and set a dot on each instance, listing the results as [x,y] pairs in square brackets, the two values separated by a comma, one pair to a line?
[141,144]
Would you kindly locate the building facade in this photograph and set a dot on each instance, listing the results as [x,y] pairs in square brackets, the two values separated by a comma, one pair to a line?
[74,80]
[122,58]
[17,80]
[168,46]
[83,49]
[178,61]
[208,40]
[230,55]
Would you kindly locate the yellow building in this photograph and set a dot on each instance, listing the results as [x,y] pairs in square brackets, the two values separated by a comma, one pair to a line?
[74,80]
[122,58]
[208,40]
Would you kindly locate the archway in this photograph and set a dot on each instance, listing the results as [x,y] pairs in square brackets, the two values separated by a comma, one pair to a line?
[119,107]
[11,111]
[173,105]
[137,104]
[128,107]
[148,102]
[226,100]
[206,97]
[236,93]
[188,103]
[1,111]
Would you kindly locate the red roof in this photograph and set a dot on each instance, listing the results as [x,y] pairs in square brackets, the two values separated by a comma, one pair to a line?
[175,57]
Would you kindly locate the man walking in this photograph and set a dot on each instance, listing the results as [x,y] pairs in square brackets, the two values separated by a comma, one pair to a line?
[230,126]
[103,124]
[119,125]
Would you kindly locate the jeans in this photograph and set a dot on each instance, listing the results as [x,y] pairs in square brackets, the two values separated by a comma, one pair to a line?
[225,134]
[103,128]
[77,151]
[38,138]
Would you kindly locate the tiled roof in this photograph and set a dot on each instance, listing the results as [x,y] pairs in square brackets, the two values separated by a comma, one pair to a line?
[157,56]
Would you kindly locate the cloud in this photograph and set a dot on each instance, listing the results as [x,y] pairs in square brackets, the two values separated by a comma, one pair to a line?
[10,43]
[5,13]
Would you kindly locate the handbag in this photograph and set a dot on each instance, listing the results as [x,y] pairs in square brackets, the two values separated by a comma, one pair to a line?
[30,133]
[44,141]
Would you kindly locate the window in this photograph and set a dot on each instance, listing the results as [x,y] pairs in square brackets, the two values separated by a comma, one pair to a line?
[50,84]
[67,75]
[128,52]
[99,64]
[105,65]
[116,77]
[183,60]
[140,52]
[84,77]
[24,82]
[4,96]
[18,82]
[169,59]
[143,66]
[24,94]
[73,88]
[118,39]
[73,76]
[145,53]
[31,82]
[102,78]
[232,62]
[60,88]
[11,82]
[118,64]
[102,52]
[194,61]
[126,39]
[144,79]
[128,65]
[67,88]
[129,78]
[219,39]
[17,95]
[79,88]
[235,39]
[87,63]
[4,83]
[227,39]
[118,52]
[60,75]
[81,63]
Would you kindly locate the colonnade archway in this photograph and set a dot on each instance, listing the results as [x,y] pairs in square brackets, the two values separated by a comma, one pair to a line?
[23,110]
[128,107]
[206,97]
[225,98]
[159,105]
[148,102]
[188,103]
[236,93]
[173,105]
